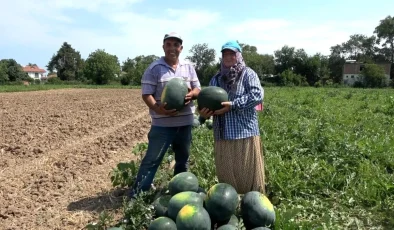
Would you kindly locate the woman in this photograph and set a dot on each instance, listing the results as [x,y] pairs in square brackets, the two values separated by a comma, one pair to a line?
[238,156]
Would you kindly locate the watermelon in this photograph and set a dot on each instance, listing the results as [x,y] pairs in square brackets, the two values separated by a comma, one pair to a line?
[160,205]
[174,94]
[221,201]
[202,192]
[162,223]
[257,210]
[232,221]
[193,217]
[181,182]
[181,199]
[227,227]
[211,97]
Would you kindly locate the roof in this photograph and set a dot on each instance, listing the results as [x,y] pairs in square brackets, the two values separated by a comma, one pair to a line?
[355,68]
[33,69]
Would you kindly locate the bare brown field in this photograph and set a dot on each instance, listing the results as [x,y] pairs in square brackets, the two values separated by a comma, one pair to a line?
[57,148]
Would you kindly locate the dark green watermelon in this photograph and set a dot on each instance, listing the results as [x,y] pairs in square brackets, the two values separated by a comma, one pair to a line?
[181,199]
[160,205]
[174,94]
[181,182]
[257,210]
[221,201]
[211,97]
[227,227]
[232,221]
[162,223]
[193,217]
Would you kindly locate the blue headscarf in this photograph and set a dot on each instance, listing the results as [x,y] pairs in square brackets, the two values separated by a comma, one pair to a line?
[232,74]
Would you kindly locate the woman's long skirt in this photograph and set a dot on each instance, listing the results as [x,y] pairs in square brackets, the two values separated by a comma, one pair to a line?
[240,163]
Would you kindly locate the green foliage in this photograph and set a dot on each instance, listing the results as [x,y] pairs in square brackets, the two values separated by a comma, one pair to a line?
[101,67]
[68,63]
[289,78]
[385,31]
[328,156]
[262,64]
[10,70]
[204,59]
[135,68]
[374,76]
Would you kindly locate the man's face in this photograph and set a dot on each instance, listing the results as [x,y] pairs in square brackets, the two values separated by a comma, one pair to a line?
[172,48]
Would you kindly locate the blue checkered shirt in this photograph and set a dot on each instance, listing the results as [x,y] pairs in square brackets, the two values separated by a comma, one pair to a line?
[242,120]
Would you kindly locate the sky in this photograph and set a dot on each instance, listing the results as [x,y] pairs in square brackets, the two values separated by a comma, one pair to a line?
[31,31]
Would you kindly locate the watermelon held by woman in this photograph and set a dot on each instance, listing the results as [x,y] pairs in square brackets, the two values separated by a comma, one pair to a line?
[257,210]
[211,97]
[181,182]
[174,94]
[221,202]
[193,217]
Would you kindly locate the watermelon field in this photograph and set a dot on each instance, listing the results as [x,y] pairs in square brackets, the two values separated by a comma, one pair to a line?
[67,156]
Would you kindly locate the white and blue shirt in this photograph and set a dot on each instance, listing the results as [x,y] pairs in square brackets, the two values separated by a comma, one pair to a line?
[242,120]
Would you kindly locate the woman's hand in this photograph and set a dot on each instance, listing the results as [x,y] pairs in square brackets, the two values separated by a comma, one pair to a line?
[205,113]
[225,109]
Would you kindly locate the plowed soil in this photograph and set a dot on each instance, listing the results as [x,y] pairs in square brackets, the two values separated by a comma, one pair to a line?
[57,149]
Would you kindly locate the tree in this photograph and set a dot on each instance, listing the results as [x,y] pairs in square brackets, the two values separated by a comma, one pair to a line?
[373,76]
[284,59]
[203,58]
[68,63]
[14,71]
[385,34]
[3,73]
[101,67]
[262,64]
[135,68]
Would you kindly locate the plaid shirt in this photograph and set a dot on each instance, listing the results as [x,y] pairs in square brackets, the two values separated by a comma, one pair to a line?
[242,120]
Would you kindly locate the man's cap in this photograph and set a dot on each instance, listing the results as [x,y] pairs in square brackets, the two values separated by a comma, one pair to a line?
[173,35]
[232,45]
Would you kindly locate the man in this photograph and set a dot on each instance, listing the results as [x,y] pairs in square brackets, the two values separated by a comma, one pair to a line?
[169,127]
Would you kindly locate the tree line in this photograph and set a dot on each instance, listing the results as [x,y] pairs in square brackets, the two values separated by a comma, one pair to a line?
[287,66]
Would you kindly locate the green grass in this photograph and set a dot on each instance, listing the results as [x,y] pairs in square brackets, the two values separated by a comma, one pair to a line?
[23,88]
[330,157]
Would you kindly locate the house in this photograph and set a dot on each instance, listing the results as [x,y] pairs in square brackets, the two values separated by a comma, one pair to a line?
[35,72]
[352,71]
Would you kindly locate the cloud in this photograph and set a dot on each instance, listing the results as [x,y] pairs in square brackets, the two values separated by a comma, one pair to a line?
[115,26]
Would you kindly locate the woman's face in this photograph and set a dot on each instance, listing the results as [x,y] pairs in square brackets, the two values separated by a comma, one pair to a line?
[229,58]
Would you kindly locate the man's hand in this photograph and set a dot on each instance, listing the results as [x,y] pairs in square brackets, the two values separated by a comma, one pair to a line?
[189,96]
[225,109]
[162,111]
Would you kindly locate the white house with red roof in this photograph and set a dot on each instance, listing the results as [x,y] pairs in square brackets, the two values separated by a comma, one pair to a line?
[35,72]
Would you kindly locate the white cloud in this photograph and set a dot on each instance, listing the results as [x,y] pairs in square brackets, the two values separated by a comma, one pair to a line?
[47,26]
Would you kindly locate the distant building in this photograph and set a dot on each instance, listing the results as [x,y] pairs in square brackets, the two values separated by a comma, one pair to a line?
[35,72]
[352,71]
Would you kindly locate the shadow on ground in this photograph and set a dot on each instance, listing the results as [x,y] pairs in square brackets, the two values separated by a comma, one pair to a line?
[103,201]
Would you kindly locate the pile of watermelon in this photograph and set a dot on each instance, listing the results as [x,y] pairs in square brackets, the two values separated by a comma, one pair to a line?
[186,205]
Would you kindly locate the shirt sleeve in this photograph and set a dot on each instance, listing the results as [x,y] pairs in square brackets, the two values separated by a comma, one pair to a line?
[253,92]
[148,82]
[194,81]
